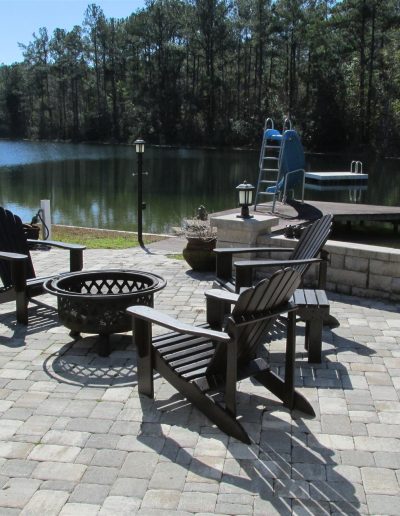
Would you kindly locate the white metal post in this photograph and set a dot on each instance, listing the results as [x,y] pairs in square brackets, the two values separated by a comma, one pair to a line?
[46,215]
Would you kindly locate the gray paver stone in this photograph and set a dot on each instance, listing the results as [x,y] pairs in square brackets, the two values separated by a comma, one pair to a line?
[138,465]
[272,506]
[100,475]
[109,458]
[161,499]
[380,481]
[383,504]
[59,471]
[168,475]
[231,508]
[387,460]
[93,425]
[128,487]
[18,468]
[58,485]
[79,509]
[196,502]
[17,492]
[54,453]
[45,503]
[121,505]
[89,493]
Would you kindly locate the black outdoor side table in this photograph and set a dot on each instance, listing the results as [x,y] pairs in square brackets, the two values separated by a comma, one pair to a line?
[96,301]
[313,308]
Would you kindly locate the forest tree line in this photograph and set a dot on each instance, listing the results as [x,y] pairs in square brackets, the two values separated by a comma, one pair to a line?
[210,71]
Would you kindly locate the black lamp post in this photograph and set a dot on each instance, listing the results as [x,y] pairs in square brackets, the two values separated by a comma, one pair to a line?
[246,191]
[139,146]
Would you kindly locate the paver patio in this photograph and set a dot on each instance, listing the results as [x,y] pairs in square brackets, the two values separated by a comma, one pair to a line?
[77,439]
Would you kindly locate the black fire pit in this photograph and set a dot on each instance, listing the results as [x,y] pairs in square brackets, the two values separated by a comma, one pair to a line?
[96,301]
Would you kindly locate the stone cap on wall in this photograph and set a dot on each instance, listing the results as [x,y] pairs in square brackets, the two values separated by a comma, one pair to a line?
[233,231]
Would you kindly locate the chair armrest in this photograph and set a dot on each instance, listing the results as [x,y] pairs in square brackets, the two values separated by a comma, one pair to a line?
[274,263]
[244,269]
[221,295]
[224,257]
[157,317]
[13,257]
[75,252]
[237,250]
[54,243]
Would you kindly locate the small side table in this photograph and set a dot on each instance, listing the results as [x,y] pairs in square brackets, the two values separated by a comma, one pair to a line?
[313,308]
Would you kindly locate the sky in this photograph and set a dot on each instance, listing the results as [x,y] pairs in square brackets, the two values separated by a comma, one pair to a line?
[19,19]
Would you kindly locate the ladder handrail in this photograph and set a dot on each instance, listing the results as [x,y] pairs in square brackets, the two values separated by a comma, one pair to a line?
[268,121]
[356,167]
[287,124]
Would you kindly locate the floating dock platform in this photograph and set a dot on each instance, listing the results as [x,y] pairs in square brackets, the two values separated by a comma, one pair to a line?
[326,179]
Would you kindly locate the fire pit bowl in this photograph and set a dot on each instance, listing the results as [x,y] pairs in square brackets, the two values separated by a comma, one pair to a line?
[96,301]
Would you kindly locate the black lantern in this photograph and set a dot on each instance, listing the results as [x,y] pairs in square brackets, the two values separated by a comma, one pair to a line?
[246,192]
[139,146]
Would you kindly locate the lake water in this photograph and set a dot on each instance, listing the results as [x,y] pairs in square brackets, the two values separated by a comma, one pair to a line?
[93,186]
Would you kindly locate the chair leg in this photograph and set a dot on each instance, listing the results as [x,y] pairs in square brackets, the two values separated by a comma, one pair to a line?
[142,336]
[18,272]
[314,341]
[75,260]
[284,389]
[216,312]
[22,307]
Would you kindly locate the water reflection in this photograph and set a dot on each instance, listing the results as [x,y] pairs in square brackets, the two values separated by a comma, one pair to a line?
[92,185]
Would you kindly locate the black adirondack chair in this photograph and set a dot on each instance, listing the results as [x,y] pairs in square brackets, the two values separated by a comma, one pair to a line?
[307,251]
[198,360]
[19,282]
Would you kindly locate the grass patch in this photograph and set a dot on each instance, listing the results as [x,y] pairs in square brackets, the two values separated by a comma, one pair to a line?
[176,256]
[99,238]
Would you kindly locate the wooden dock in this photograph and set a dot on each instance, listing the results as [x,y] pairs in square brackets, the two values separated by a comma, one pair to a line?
[342,212]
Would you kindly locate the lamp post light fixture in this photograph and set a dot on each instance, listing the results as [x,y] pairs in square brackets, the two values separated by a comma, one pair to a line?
[139,147]
[246,192]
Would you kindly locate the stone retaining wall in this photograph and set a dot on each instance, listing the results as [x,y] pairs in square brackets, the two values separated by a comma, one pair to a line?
[355,269]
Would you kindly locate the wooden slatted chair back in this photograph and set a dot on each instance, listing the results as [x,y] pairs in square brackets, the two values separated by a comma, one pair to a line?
[312,241]
[253,303]
[12,240]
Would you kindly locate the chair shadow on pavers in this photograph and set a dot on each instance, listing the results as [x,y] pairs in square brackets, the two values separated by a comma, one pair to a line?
[285,468]
[78,363]
[42,317]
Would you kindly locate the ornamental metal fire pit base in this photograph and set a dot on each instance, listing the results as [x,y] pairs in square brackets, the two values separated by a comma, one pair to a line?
[96,301]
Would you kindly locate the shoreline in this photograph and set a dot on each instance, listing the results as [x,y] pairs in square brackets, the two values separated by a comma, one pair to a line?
[350,152]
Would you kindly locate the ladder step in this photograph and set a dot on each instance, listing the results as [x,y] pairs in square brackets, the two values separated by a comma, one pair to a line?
[273,158]
[267,182]
[276,147]
[270,170]
[265,193]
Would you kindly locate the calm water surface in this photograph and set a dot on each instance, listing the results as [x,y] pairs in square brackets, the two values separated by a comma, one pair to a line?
[92,185]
